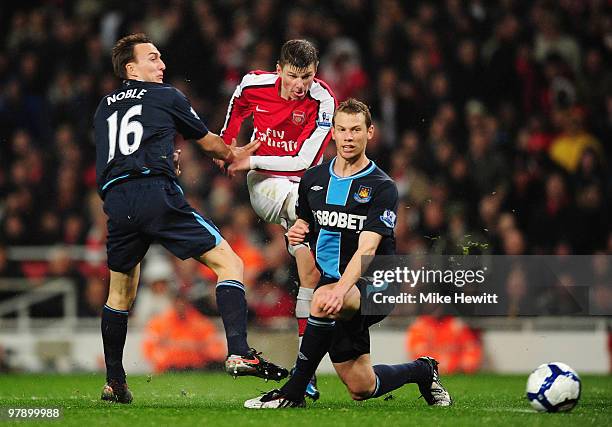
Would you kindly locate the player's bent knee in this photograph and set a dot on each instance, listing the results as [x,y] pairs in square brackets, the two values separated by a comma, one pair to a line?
[315,306]
[358,387]
[359,397]
[358,377]
[359,393]
[316,311]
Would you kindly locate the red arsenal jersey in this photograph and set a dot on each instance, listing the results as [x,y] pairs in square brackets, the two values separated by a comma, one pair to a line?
[294,133]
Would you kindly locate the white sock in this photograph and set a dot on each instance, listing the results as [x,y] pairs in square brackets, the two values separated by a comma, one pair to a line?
[302,306]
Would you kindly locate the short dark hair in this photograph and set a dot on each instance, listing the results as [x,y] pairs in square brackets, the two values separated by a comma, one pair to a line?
[299,53]
[352,106]
[123,52]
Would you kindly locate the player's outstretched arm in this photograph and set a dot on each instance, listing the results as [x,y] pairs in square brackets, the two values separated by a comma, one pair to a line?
[368,243]
[215,147]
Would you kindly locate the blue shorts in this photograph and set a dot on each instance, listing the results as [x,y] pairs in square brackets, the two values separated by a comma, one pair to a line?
[153,210]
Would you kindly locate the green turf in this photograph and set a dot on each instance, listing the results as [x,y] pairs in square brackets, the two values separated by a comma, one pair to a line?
[216,400]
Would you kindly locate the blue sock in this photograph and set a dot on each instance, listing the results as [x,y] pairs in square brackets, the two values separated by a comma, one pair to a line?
[114,331]
[232,305]
[391,377]
[315,344]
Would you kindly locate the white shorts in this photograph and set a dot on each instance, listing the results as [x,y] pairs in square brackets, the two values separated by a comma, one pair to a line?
[273,198]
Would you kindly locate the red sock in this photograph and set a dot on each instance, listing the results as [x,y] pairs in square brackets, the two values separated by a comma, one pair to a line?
[301,325]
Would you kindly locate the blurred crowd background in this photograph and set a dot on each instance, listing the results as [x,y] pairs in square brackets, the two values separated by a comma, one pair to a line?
[493,117]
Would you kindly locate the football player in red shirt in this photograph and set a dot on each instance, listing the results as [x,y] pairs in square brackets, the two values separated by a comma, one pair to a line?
[292,114]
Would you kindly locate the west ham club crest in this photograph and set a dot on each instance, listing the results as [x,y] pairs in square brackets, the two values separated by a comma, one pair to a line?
[363,195]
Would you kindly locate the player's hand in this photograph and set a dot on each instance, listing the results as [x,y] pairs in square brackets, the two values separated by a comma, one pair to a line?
[240,164]
[331,300]
[239,158]
[297,233]
[244,151]
[222,163]
[176,160]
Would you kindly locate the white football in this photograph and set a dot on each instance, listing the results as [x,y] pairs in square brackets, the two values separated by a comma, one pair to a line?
[553,387]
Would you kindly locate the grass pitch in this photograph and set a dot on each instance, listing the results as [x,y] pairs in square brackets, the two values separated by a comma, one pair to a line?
[216,400]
